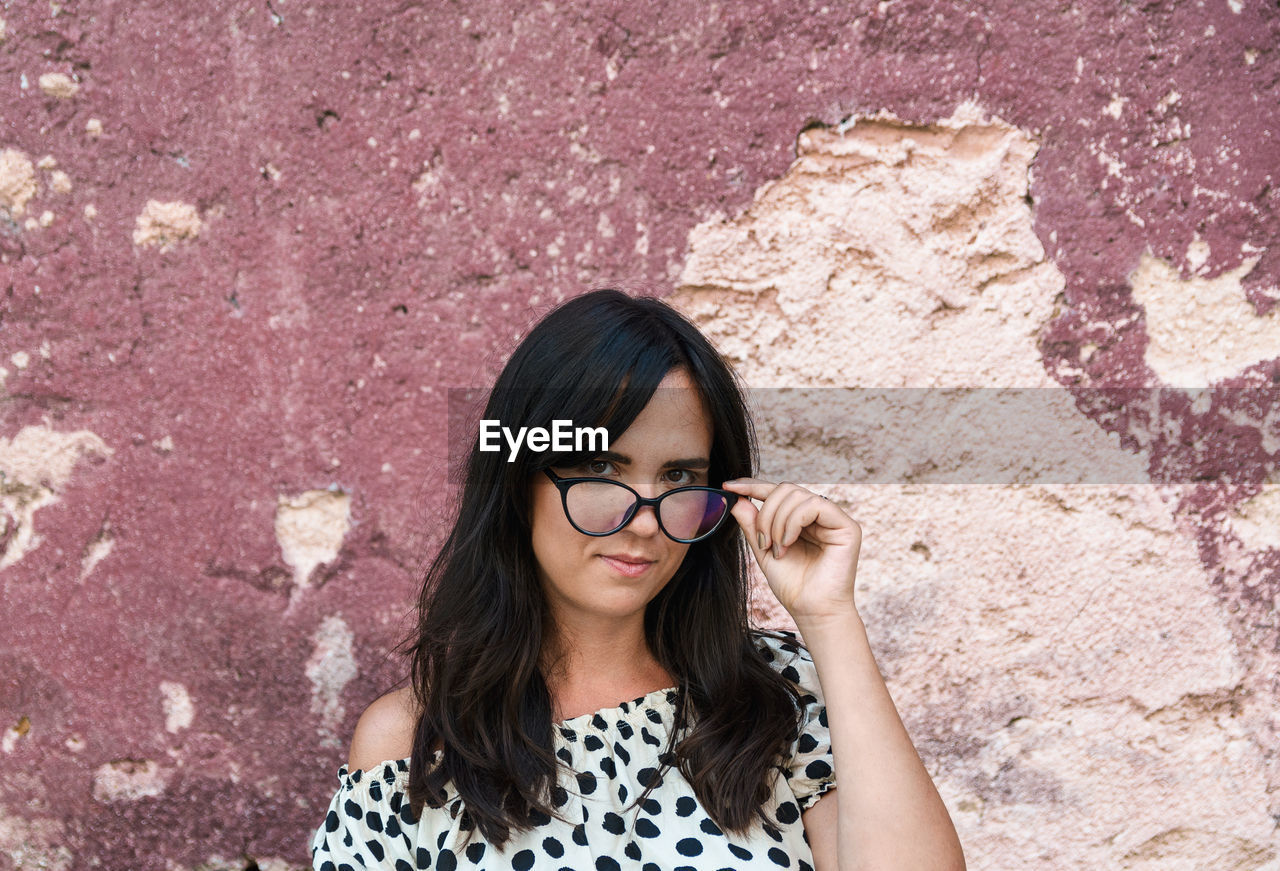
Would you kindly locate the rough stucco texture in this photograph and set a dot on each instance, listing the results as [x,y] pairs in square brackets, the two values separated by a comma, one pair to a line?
[246,249]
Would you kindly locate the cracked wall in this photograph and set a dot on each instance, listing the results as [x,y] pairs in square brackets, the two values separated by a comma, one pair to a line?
[1077,704]
[246,250]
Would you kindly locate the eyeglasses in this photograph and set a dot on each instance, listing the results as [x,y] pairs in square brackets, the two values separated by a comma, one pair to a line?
[601,506]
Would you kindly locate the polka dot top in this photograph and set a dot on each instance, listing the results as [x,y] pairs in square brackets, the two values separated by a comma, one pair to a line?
[615,752]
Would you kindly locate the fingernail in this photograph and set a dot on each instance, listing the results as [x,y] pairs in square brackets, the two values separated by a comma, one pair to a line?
[760,538]
[777,550]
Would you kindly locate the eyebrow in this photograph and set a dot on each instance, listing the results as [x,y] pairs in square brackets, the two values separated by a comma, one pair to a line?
[691,463]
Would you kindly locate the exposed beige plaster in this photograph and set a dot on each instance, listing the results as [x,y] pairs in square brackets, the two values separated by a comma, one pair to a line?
[890,255]
[17,181]
[179,710]
[1257,520]
[164,224]
[129,780]
[34,466]
[97,550]
[1201,330]
[310,527]
[34,843]
[1056,651]
[59,85]
[331,667]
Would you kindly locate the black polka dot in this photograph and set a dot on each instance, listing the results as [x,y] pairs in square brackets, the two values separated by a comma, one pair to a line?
[787,812]
[741,852]
[475,852]
[609,769]
[580,835]
[604,863]
[807,743]
[553,847]
[598,722]
[523,860]
[352,809]
[587,783]
[559,796]
[646,829]
[689,847]
[685,805]
[649,776]
[622,792]
[622,753]
[632,851]
[538,818]
[423,857]
[779,857]
[818,769]
[649,738]
[772,831]
[331,822]
[613,824]
[652,807]
[376,850]
[592,743]
[373,820]
[564,754]
[402,865]
[708,825]
[447,861]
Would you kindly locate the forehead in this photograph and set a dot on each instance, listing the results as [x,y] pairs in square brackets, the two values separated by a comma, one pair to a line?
[675,422]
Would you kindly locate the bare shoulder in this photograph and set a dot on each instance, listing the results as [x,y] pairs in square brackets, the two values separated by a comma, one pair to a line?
[384,731]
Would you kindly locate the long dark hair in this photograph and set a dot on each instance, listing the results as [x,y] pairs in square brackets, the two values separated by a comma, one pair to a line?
[482,619]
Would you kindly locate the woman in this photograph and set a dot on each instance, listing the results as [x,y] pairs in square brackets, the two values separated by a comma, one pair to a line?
[586,692]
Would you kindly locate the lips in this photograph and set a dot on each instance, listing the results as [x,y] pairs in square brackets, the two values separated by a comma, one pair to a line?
[626,564]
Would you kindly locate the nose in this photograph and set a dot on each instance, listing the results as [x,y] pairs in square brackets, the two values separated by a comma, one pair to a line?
[645,521]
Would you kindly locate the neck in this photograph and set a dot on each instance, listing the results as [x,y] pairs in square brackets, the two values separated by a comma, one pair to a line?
[601,658]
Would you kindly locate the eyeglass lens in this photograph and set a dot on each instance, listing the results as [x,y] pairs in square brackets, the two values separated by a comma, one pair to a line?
[603,507]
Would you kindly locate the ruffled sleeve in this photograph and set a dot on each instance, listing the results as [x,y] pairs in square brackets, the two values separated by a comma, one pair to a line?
[810,772]
[365,826]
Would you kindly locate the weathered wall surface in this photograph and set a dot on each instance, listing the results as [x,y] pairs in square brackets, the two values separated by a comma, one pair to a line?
[245,249]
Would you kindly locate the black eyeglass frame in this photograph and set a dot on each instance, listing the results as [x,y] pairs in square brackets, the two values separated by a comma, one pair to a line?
[563,485]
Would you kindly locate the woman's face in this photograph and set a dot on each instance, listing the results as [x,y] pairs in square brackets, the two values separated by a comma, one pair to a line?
[614,576]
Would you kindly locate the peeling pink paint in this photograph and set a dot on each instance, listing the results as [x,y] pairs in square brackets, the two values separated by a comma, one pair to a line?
[307,336]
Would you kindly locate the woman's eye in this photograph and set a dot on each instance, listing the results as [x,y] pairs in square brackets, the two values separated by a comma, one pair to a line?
[598,467]
[680,476]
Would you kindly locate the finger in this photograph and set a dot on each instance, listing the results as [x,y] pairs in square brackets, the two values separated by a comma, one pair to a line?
[769,510]
[781,521]
[747,517]
[805,512]
[753,488]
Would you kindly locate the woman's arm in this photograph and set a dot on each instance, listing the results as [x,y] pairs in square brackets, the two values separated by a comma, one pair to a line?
[888,814]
